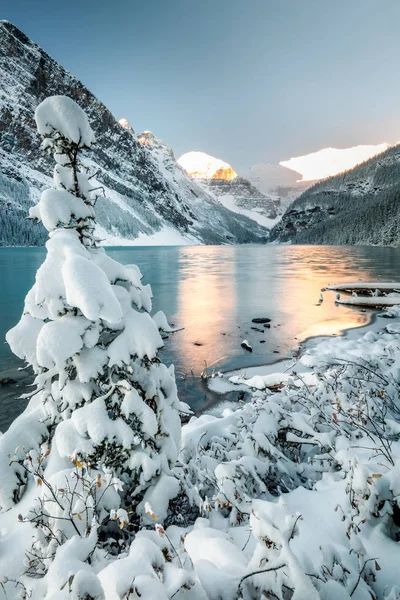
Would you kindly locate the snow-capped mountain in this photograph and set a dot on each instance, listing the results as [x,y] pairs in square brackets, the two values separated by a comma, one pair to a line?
[287,180]
[200,165]
[142,200]
[360,206]
[236,193]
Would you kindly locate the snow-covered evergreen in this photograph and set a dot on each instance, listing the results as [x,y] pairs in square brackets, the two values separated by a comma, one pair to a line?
[102,429]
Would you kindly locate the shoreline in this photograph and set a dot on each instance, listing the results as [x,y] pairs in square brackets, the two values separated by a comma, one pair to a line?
[221,386]
[22,377]
[10,393]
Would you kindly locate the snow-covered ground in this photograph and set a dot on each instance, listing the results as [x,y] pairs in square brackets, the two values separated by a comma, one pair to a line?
[338,404]
[295,490]
[168,236]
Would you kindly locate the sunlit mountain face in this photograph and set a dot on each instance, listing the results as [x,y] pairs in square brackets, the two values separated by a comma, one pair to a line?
[125,124]
[331,161]
[203,166]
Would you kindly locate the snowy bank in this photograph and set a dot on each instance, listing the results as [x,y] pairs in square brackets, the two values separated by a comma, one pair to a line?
[370,301]
[318,455]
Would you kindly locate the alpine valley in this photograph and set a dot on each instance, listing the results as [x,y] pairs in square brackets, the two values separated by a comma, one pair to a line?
[236,193]
[148,198]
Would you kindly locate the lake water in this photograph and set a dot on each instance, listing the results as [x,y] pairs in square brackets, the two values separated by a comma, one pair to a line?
[214,292]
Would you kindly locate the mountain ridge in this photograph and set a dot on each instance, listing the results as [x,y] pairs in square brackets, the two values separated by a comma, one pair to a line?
[139,201]
[360,206]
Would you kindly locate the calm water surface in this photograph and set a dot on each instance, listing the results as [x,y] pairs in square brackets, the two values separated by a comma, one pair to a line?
[214,292]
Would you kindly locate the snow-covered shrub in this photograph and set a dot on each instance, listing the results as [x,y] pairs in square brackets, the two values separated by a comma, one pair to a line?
[102,429]
[263,450]
[325,444]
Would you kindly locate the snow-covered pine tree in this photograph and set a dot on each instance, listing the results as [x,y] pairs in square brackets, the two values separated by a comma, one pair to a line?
[105,413]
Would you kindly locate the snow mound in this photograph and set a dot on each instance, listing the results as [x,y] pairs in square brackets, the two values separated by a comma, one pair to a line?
[261,382]
[58,207]
[374,301]
[367,286]
[62,114]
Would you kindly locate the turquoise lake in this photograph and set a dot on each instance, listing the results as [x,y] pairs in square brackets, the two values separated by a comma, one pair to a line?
[214,292]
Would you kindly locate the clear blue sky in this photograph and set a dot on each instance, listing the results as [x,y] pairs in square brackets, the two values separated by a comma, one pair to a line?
[245,80]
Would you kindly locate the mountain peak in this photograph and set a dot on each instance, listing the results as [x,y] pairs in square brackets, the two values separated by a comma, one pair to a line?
[147,138]
[17,33]
[125,124]
[200,165]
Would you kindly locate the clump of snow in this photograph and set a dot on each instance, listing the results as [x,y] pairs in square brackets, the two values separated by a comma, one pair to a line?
[58,207]
[88,289]
[375,301]
[246,345]
[261,382]
[365,286]
[62,114]
[161,321]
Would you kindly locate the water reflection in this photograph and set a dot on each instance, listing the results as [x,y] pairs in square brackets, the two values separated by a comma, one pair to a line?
[206,303]
[299,294]
[214,292]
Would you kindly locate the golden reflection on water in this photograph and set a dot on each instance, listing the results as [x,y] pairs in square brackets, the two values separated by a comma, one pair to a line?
[336,324]
[206,303]
[299,295]
[220,289]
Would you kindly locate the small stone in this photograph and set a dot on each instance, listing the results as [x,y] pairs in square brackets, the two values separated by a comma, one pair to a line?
[261,320]
[245,344]
[7,381]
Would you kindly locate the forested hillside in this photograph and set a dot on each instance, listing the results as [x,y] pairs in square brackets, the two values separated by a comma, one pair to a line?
[360,206]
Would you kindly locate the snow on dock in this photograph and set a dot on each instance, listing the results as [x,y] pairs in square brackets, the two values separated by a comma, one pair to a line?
[370,301]
[365,288]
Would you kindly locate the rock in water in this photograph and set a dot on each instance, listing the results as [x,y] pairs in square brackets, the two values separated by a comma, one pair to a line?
[261,320]
[245,344]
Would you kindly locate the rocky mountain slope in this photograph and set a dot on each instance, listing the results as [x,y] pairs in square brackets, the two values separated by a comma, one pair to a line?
[143,199]
[235,192]
[360,206]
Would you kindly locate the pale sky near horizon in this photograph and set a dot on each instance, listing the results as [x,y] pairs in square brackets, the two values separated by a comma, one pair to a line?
[247,81]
